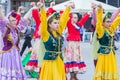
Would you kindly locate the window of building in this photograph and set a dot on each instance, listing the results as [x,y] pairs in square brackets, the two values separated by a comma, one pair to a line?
[14,2]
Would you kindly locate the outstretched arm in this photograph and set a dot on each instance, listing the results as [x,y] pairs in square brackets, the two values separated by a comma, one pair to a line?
[65,17]
[43,26]
[18,17]
[114,15]
[84,19]
[25,20]
[115,23]
[93,21]
[99,27]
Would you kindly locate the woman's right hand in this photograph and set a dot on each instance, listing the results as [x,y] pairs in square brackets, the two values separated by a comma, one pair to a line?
[93,5]
[70,4]
[99,6]
[41,3]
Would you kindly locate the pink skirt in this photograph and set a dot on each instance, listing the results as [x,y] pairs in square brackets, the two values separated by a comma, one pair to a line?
[73,58]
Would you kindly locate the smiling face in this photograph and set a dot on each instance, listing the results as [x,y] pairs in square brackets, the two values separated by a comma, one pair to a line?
[74,18]
[12,21]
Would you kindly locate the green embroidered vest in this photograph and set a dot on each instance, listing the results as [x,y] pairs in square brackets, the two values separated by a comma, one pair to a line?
[53,48]
[106,43]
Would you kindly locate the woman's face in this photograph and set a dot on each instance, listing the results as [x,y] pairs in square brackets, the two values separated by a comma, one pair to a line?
[74,18]
[54,24]
[107,23]
[12,21]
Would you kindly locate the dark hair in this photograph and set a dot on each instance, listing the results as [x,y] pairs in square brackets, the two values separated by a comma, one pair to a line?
[78,14]
[54,16]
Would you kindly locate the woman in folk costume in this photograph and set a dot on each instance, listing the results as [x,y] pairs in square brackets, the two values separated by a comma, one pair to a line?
[95,43]
[106,68]
[51,30]
[38,51]
[31,60]
[73,58]
[10,60]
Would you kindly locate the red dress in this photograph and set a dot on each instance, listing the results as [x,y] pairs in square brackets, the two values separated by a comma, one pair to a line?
[73,57]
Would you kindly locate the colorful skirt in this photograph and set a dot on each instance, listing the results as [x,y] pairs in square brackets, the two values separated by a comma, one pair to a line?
[36,58]
[11,66]
[33,74]
[53,70]
[26,59]
[32,65]
[73,58]
[106,68]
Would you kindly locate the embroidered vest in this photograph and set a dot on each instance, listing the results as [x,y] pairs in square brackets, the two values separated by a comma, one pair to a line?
[106,43]
[7,40]
[53,48]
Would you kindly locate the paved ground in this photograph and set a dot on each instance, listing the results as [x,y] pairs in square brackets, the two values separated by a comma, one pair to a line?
[85,47]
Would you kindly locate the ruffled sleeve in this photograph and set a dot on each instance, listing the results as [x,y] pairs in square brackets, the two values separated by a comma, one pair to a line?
[99,27]
[43,31]
[63,20]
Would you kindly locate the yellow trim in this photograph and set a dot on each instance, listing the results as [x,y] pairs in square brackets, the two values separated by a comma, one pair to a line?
[54,52]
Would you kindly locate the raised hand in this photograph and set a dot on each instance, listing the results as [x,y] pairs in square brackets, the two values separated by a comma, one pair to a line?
[20,9]
[99,6]
[42,1]
[93,5]
[71,4]
[52,4]
[32,4]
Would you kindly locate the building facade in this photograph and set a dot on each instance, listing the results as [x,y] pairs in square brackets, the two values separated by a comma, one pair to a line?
[14,4]
[115,3]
